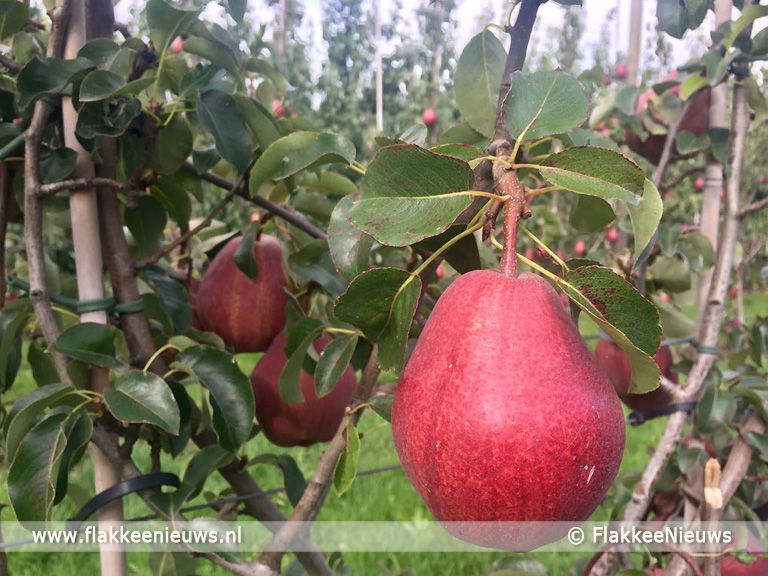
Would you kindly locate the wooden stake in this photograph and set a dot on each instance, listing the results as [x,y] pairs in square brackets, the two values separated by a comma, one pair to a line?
[90,281]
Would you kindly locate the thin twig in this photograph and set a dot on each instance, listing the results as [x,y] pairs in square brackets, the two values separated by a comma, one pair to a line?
[687,173]
[752,208]
[168,248]
[298,220]
[183,238]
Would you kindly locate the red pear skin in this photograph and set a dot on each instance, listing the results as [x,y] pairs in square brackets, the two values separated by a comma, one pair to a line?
[731,566]
[246,313]
[502,414]
[316,419]
[617,367]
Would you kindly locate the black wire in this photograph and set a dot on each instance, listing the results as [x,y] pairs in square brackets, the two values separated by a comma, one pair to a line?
[222,501]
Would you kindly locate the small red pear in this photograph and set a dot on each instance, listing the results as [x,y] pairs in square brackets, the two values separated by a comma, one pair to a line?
[246,313]
[316,419]
[429,117]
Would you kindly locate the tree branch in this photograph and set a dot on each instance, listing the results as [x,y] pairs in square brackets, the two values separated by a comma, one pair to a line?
[297,219]
[752,208]
[149,261]
[33,213]
[6,189]
[10,63]
[82,184]
[710,326]
[312,500]
[672,184]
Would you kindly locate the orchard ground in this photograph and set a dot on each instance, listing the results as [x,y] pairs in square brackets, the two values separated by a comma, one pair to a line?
[387,496]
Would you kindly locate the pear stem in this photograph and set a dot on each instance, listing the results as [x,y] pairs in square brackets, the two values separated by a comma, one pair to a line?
[515,208]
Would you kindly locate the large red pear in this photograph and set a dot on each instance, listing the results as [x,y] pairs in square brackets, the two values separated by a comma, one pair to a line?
[316,419]
[616,365]
[246,313]
[503,415]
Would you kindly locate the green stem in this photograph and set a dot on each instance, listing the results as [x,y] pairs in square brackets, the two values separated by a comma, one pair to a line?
[443,248]
[157,353]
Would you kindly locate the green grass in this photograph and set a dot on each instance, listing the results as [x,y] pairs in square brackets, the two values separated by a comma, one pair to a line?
[385,496]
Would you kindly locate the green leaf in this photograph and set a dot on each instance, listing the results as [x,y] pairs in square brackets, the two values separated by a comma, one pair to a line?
[478,81]
[672,17]
[624,314]
[236,9]
[145,398]
[33,474]
[289,381]
[264,129]
[45,76]
[293,478]
[350,248]
[645,218]
[172,146]
[464,152]
[13,322]
[166,22]
[107,117]
[41,362]
[100,84]
[215,52]
[266,70]
[100,51]
[407,194]
[755,97]
[328,182]
[174,298]
[298,151]
[230,391]
[175,199]
[244,257]
[78,430]
[333,361]
[221,117]
[747,18]
[691,86]
[697,250]
[596,172]
[56,164]
[199,469]
[13,17]
[461,133]
[90,343]
[382,405]
[146,223]
[379,305]
[314,262]
[25,411]
[590,214]
[346,467]
[544,103]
